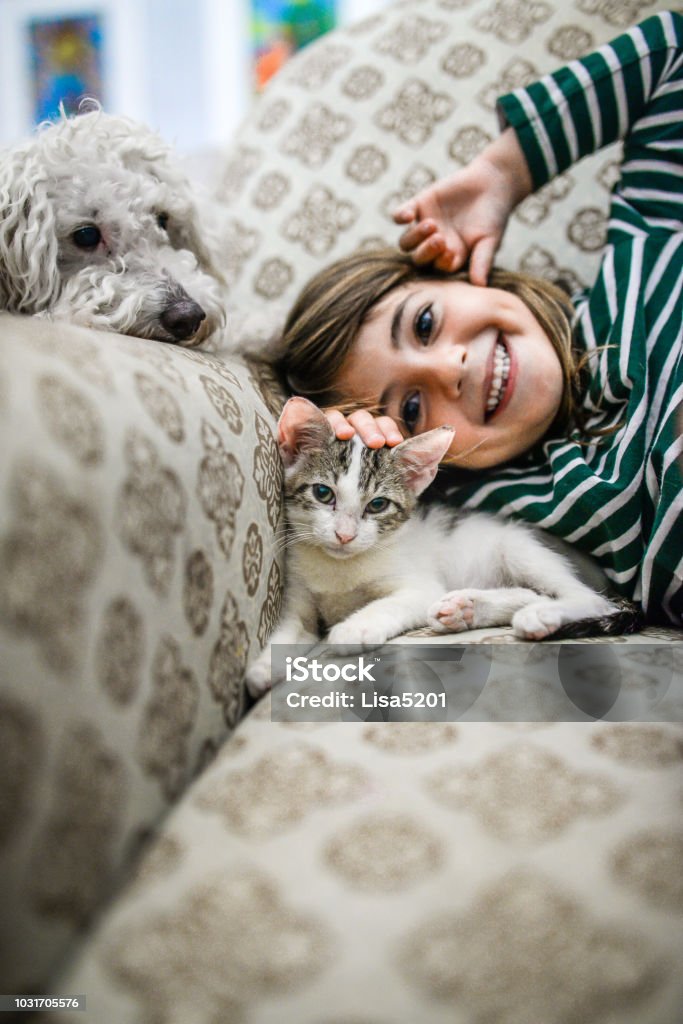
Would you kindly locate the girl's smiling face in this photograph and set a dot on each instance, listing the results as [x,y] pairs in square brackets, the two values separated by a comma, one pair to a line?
[448,352]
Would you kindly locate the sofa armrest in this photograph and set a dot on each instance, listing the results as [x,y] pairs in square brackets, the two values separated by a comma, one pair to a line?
[140,497]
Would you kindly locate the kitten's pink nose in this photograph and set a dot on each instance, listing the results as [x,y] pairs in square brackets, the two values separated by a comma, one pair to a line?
[344,536]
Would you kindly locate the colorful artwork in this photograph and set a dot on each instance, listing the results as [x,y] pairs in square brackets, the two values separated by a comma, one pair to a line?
[279,27]
[66,63]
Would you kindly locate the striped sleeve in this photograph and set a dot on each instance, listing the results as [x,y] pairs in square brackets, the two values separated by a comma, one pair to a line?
[630,89]
[619,496]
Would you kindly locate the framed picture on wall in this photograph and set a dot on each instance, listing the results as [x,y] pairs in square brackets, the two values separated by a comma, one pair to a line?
[280,27]
[66,63]
[56,52]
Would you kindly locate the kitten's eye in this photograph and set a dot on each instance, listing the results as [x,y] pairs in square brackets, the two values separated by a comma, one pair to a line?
[377,505]
[88,237]
[410,411]
[162,221]
[323,493]
[424,325]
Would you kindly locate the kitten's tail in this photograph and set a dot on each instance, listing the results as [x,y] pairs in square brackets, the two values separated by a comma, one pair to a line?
[628,618]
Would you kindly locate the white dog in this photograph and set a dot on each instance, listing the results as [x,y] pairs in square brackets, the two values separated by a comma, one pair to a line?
[98,226]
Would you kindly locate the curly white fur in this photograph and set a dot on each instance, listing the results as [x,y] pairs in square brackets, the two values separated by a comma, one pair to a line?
[152,271]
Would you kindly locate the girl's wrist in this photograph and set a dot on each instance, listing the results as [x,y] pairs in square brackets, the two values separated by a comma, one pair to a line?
[506,157]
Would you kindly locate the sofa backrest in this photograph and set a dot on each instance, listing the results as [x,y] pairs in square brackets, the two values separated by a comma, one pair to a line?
[364,117]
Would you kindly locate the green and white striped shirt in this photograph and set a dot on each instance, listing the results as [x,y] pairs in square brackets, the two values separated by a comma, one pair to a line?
[621,497]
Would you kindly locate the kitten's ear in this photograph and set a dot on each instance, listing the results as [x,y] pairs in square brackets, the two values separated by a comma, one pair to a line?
[420,456]
[302,427]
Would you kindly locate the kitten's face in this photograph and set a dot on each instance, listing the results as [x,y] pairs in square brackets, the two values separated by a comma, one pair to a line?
[345,498]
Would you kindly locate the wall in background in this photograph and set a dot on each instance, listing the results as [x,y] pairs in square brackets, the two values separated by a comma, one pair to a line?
[182,66]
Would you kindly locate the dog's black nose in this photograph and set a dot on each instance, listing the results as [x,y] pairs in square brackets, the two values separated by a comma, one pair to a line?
[182,318]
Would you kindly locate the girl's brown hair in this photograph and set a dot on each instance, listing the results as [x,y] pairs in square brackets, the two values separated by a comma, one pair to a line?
[325,320]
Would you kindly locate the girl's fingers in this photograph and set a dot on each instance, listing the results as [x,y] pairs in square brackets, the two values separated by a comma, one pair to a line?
[451,259]
[416,234]
[432,250]
[392,435]
[367,429]
[481,260]
[405,214]
[375,431]
[426,244]
[339,423]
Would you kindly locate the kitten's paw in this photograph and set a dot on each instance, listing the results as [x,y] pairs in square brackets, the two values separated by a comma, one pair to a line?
[539,620]
[354,634]
[452,613]
[259,677]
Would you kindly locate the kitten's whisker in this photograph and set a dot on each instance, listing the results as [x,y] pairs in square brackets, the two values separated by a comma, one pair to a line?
[293,536]
[463,456]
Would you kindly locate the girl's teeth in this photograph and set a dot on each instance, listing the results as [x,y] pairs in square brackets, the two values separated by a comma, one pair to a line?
[501,370]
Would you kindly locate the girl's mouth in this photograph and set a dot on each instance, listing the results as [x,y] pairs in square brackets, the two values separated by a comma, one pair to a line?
[500,374]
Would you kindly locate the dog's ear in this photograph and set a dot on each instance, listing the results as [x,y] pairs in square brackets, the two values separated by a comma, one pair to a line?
[29,282]
[144,152]
[191,234]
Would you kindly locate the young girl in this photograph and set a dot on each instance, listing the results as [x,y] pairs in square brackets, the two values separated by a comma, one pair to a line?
[505,358]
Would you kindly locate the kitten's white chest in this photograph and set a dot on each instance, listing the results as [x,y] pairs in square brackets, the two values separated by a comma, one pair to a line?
[340,587]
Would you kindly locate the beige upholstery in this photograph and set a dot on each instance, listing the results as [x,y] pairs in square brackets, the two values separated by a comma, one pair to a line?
[140,498]
[378,873]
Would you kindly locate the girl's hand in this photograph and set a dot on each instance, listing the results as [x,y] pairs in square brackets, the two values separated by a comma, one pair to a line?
[465,215]
[374,431]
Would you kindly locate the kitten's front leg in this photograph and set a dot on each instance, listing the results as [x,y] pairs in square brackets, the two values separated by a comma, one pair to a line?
[475,609]
[295,627]
[385,618]
[259,677]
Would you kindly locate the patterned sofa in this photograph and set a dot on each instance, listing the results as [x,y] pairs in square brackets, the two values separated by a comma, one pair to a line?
[177,856]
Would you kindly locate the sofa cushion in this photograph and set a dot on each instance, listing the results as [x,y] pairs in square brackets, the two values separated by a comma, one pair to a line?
[140,498]
[444,873]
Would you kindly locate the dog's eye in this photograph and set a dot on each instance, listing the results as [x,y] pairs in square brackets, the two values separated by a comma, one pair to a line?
[88,237]
[162,221]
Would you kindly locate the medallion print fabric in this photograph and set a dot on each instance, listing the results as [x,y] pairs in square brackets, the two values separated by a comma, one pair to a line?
[362,118]
[419,871]
[136,568]
[293,873]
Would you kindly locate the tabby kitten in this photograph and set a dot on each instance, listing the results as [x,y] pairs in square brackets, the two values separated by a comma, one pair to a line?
[365,564]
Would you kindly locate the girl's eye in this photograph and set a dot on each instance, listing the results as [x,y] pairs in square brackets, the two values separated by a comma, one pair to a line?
[162,221]
[323,493]
[88,237]
[424,325]
[377,505]
[410,411]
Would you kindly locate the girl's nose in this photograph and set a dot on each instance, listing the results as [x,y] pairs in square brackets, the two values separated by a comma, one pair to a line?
[450,367]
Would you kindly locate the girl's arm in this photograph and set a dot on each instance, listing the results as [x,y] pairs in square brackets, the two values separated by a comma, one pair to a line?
[464,216]
[630,89]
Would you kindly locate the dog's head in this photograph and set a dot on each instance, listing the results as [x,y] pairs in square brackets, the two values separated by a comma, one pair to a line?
[98,225]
